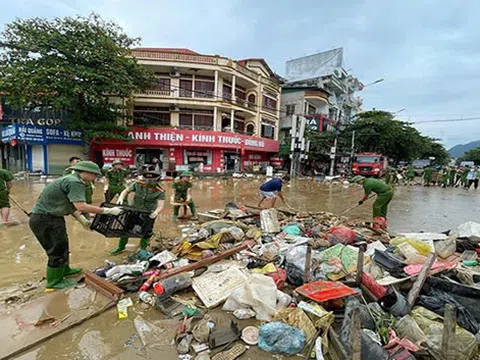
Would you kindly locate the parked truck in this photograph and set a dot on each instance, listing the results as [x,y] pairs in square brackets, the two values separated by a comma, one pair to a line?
[369,164]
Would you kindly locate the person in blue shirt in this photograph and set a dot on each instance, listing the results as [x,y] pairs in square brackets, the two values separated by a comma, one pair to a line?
[271,189]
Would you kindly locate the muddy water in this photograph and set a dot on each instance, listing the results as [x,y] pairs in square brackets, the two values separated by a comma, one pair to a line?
[22,259]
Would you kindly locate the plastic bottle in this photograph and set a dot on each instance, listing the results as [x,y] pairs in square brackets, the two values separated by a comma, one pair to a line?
[146,285]
[146,298]
[173,284]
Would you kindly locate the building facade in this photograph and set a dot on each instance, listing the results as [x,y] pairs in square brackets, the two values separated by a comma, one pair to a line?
[205,113]
[318,86]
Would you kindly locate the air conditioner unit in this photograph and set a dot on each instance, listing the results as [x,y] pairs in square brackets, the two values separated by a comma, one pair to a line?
[174,73]
[174,108]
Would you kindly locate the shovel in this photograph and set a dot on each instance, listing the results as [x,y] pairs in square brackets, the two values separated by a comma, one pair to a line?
[19,206]
[355,206]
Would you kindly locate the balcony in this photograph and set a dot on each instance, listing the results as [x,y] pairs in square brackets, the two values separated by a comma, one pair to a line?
[170,56]
[156,93]
[317,97]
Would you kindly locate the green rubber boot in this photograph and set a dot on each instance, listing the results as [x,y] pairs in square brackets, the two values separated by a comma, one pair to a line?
[55,279]
[68,271]
[144,242]
[122,243]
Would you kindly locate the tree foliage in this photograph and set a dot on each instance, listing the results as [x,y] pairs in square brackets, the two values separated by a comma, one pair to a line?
[78,64]
[378,131]
[472,155]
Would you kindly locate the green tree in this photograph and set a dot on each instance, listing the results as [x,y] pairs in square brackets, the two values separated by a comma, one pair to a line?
[472,155]
[79,64]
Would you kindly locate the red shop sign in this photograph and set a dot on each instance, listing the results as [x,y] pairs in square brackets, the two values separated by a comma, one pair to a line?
[122,153]
[193,138]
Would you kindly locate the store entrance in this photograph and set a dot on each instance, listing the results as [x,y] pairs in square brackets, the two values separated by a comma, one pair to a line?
[151,159]
[231,161]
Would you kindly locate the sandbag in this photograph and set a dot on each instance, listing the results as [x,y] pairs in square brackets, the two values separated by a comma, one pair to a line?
[446,248]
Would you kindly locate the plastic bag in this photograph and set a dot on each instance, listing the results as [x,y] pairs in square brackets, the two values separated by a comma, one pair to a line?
[277,337]
[432,326]
[269,221]
[343,235]
[446,248]
[235,232]
[468,229]
[259,293]
[292,229]
[296,317]
[407,327]
[422,247]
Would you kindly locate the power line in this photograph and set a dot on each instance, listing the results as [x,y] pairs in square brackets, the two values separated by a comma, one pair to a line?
[445,120]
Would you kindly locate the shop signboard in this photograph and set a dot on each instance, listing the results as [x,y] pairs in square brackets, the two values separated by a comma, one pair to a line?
[40,135]
[196,139]
[123,153]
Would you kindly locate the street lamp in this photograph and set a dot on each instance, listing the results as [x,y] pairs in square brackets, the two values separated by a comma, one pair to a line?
[375,82]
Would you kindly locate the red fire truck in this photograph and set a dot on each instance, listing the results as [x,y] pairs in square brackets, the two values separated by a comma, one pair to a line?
[369,164]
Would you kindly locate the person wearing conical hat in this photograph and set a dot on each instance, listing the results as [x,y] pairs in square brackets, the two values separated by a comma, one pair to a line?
[149,196]
[115,180]
[65,196]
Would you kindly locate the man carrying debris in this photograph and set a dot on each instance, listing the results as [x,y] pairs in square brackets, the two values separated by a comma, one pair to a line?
[273,189]
[149,196]
[65,196]
[183,194]
[384,194]
[89,187]
[115,180]
[6,183]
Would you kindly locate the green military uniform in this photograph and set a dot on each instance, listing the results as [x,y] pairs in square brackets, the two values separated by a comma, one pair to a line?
[181,193]
[116,182]
[452,175]
[146,198]
[464,175]
[427,176]
[5,177]
[388,176]
[445,177]
[384,195]
[48,224]
[410,174]
[88,186]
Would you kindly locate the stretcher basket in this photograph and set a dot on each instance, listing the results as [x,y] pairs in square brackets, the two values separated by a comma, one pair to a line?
[132,222]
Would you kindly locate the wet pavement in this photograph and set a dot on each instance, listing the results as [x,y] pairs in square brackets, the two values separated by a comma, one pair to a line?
[22,259]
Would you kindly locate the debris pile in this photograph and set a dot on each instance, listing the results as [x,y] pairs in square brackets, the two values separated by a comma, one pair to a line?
[310,284]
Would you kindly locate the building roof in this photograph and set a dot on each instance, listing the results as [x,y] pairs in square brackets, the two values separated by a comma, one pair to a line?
[304,88]
[172,50]
[243,62]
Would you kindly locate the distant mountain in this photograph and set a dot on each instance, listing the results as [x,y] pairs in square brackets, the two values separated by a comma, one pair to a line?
[459,150]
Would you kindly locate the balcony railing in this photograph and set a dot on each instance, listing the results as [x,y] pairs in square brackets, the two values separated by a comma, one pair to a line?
[157,93]
[168,56]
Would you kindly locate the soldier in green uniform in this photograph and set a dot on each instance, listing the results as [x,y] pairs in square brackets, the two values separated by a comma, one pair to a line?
[452,176]
[89,187]
[183,193]
[115,180]
[65,196]
[427,176]
[464,176]
[6,183]
[410,175]
[445,172]
[384,194]
[388,175]
[149,196]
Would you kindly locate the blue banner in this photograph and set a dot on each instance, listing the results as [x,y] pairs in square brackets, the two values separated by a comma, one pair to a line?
[41,135]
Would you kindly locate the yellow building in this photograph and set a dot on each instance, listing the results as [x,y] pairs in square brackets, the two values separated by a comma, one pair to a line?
[210,113]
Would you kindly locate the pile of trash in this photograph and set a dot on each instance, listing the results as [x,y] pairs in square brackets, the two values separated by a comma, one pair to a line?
[309,284]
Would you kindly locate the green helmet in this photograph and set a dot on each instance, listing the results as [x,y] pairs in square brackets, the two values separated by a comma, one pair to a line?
[117,162]
[186,174]
[87,166]
[357,179]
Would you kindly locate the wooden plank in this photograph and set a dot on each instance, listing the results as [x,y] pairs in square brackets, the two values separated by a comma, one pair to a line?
[337,345]
[355,336]
[205,262]
[449,325]
[108,289]
[422,276]
[308,264]
[360,260]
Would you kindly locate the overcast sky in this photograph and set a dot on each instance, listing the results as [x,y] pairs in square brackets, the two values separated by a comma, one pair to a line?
[427,51]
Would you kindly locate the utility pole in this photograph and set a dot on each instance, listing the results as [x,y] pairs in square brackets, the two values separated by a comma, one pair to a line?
[299,147]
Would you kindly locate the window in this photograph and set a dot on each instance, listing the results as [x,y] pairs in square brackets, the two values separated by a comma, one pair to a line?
[311,109]
[269,103]
[186,121]
[290,109]
[203,122]
[204,89]
[227,92]
[161,84]
[144,115]
[268,131]
[240,93]
[250,129]
[239,126]
[252,101]
[185,88]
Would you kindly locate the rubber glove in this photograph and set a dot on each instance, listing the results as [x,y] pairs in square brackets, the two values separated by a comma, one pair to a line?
[83,220]
[154,214]
[115,211]
[121,199]
[105,188]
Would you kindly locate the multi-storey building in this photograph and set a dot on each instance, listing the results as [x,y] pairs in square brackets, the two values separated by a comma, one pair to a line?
[207,113]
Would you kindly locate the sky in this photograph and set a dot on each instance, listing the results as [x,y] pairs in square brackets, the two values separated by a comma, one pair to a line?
[427,51]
